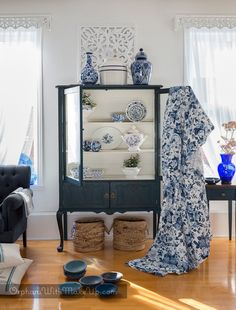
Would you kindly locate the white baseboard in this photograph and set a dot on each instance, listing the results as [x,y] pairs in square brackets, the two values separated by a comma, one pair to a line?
[43,226]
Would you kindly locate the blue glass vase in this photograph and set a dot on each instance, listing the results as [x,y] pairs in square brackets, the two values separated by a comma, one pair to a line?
[226,168]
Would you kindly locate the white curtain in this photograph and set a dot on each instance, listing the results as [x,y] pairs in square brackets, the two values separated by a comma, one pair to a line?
[20,78]
[210,69]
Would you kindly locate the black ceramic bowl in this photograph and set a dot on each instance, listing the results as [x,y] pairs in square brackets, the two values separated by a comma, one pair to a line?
[74,276]
[212,181]
[75,266]
[112,276]
[106,289]
[69,288]
[91,281]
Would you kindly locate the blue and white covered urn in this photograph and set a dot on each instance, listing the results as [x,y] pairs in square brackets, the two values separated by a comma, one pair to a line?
[88,74]
[141,69]
[134,139]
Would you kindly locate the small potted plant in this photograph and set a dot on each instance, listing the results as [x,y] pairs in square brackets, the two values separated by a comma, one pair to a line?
[88,105]
[130,166]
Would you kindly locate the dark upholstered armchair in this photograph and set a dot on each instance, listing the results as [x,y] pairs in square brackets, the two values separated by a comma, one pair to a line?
[13,220]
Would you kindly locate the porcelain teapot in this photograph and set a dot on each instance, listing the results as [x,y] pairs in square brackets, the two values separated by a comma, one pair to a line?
[134,139]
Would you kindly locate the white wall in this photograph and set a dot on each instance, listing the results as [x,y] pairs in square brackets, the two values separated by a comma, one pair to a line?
[153,20]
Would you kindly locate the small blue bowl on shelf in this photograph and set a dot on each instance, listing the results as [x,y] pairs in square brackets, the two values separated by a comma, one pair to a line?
[111,276]
[118,117]
[106,289]
[75,266]
[91,281]
[69,288]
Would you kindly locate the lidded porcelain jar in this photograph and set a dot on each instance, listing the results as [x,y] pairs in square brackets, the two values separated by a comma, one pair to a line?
[134,139]
[113,72]
[141,69]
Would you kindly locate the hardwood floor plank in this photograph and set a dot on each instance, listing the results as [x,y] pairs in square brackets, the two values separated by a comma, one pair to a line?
[210,287]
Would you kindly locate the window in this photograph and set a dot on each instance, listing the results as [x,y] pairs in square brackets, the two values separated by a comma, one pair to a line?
[21,98]
[210,68]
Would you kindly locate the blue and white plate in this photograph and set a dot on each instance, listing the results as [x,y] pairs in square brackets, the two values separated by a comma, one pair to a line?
[109,137]
[136,111]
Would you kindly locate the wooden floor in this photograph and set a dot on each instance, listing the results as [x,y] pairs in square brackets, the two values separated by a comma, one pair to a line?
[212,286]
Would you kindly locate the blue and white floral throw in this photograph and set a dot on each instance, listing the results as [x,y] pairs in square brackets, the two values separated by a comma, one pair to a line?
[183,238]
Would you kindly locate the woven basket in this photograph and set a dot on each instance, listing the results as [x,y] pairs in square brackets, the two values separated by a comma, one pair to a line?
[88,234]
[129,234]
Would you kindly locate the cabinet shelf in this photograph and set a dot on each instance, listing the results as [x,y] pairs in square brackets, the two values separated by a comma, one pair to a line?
[107,122]
[107,87]
[125,151]
[121,177]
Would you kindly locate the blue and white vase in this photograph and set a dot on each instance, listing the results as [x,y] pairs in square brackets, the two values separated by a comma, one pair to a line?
[88,74]
[141,69]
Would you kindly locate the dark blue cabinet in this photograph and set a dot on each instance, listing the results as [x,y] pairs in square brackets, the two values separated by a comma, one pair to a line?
[139,195]
[112,192]
[92,196]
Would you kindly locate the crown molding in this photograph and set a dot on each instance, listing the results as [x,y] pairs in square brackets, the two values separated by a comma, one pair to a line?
[208,21]
[25,21]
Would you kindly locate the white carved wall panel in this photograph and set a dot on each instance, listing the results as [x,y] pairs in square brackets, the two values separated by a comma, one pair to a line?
[105,42]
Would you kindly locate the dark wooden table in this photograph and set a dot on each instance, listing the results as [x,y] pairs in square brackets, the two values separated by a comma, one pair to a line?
[224,192]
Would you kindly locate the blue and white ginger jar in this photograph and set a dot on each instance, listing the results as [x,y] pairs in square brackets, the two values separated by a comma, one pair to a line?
[141,69]
[88,74]
[95,146]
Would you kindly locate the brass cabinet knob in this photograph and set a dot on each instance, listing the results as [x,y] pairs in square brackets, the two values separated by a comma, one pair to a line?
[113,195]
[106,195]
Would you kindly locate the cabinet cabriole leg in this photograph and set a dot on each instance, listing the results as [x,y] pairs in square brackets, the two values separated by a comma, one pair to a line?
[154,224]
[60,227]
[65,226]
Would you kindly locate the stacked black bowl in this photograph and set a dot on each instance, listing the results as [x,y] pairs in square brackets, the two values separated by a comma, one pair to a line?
[75,269]
[212,181]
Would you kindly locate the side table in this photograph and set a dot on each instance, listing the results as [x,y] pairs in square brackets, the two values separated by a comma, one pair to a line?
[223,192]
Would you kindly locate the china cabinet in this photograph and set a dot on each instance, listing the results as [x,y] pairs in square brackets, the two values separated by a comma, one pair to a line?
[92,150]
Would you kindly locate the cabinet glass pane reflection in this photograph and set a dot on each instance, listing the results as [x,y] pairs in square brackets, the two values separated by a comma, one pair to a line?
[72,132]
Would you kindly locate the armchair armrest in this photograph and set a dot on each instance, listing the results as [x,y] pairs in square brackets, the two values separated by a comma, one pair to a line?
[12,210]
[12,201]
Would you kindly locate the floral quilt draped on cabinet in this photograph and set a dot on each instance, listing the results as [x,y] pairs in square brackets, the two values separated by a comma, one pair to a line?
[183,238]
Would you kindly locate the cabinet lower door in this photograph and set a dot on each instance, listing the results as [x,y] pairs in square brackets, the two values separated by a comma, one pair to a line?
[134,195]
[91,196]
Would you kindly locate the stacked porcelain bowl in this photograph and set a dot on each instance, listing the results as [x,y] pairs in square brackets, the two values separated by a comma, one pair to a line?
[113,72]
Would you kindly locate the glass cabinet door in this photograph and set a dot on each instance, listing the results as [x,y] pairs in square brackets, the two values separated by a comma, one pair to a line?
[113,144]
[73,156]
